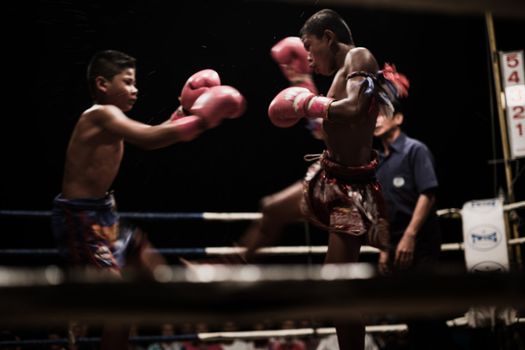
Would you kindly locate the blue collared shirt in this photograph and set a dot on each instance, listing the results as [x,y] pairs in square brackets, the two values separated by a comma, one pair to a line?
[404,174]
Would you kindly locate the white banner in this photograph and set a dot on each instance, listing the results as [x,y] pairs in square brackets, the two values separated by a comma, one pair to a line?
[484,236]
[513,80]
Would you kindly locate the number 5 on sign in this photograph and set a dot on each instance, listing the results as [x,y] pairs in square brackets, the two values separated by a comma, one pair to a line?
[513,77]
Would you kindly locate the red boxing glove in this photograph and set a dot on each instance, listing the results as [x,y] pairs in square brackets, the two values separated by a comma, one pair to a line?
[196,85]
[218,103]
[294,103]
[188,128]
[290,51]
[292,58]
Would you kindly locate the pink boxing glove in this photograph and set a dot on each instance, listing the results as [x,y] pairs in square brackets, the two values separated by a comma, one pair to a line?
[196,85]
[292,58]
[294,103]
[218,103]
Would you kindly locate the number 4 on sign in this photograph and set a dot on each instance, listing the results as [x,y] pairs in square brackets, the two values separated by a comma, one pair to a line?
[514,78]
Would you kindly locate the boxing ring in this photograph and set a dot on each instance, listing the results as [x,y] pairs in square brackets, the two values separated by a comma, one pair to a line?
[49,295]
[450,213]
[218,293]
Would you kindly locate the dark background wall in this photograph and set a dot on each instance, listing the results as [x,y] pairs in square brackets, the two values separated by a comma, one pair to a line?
[231,167]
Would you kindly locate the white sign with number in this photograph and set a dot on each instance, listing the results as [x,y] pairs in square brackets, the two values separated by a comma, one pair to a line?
[513,78]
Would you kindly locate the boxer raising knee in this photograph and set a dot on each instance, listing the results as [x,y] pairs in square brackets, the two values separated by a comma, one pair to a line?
[282,208]
[339,192]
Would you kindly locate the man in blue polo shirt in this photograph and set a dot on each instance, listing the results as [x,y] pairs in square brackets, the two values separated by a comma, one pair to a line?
[406,173]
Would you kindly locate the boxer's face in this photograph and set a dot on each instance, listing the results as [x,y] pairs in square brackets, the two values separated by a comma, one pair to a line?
[318,54]
[121,90]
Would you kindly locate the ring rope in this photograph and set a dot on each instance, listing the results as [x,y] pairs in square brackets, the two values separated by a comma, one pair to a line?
[212,336]
[221,336]
[215,216]
[150,216]
[455,213]
[279,250]
[244,288]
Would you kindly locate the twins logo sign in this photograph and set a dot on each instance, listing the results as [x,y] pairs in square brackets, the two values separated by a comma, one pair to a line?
[488,266]
[484,237]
